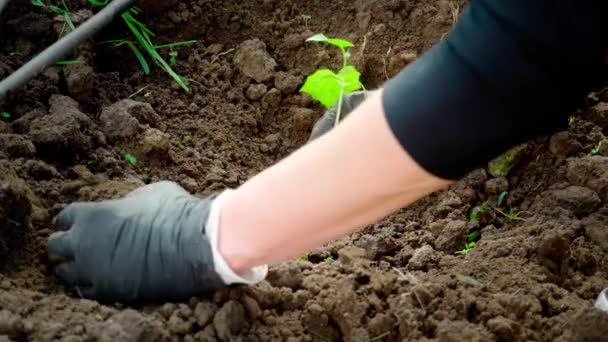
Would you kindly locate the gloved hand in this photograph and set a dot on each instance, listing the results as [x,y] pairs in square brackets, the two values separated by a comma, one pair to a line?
[327,121]
[157,244]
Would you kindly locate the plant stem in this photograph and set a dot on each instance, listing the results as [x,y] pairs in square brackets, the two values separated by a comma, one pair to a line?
[338,114]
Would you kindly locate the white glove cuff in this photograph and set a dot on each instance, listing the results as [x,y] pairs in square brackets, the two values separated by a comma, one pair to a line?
[228,276]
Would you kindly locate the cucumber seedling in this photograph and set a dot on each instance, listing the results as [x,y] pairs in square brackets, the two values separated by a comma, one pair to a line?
[329,87]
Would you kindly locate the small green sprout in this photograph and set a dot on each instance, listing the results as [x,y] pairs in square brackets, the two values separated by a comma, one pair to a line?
[306,18]
[501,198]
[328,87]
[472,239]
[131,159]
[5,115]
[66,62]
[173,57]
[330,260]
[596,150]
[475,214]
[187,139]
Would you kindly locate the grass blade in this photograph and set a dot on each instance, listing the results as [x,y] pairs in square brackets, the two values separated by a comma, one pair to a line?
[140,57]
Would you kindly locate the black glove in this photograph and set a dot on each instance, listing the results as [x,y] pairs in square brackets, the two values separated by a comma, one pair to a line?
[153,245]
[327,121]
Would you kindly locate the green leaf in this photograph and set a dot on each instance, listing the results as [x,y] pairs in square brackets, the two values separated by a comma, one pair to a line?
[98,3]
[474,216]
[38,3]
[140,57]
[66,62]
[350,76]
[131,159]
[474,236]
[501,198]
[5,115]
[321,38]
[323,86]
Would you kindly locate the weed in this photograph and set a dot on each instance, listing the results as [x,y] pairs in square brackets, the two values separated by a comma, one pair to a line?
[62,11]
[328,87]
[5,115]
[330,260]
[131,159]
[187,139]
[138,91]
[475,213]
[305,256]
[513,214]
[379,337]
[143,39]
[596,150]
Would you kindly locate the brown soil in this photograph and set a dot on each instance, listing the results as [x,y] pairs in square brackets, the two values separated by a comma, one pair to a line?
[529,278]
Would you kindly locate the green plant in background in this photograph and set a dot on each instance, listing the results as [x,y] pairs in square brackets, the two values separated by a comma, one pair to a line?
[131,159]
[63,11]
[329,87]
[143,39]
[5,115]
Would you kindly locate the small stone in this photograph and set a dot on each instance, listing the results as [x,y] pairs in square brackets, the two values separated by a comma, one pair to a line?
[302,119]
[598,114]
[380,324]
[272,99]
[204,312]
[5,128]
[564,144]
[254,61]
[579,199]
[285,275]
[496,186]
[422,259]
[63,129]
[189,184]
[124,119]
[179,325]
[16,145]
[79,77]
[256,91]
[286,82]
[502,327]
[590,172]
[229,320]
[348,255]
[452,235]
[251,307]
[40,170]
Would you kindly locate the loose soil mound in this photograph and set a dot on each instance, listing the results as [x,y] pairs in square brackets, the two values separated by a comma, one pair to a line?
[533,275]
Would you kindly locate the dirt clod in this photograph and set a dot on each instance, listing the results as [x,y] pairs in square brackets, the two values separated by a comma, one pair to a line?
[15,145]
[286,82]
[229,320]
[565,144]
[125,119]
[256,91]
[254,61]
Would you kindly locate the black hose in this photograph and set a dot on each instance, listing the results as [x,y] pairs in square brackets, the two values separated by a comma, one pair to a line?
[62,47]
[2,5]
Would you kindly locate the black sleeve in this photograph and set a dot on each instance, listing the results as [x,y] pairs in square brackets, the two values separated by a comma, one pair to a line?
[508,71]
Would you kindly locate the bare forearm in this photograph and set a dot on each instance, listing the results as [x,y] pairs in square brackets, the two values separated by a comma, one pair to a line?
[326,189]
